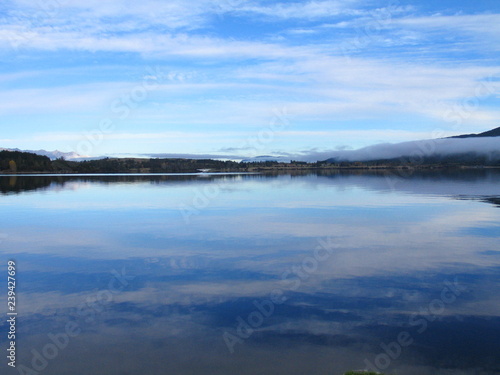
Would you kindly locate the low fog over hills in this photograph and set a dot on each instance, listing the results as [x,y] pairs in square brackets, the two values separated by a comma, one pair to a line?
[487,146]
[482,148]
[464,147]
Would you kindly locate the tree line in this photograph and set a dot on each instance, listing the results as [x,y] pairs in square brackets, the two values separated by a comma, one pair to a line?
[22,162]
[17,161]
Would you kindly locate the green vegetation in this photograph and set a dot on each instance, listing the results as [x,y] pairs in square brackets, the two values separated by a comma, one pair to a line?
[452,160]
[16,161]
[132,165]
[24,162]
[362,373]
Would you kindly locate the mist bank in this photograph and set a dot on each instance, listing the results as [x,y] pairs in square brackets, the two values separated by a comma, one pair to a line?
[468,150]
[487,147]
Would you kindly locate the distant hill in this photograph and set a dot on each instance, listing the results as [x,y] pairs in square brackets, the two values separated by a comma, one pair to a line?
[17,161]
[52,155]
[467,149]
[481,149]
[490,133]
[264,158]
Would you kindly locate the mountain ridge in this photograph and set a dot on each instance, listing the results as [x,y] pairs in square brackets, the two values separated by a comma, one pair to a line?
[52,155]
[464,147]
[484,144]
[490,133]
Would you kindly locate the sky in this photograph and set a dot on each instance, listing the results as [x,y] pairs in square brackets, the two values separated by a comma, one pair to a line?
[233,78]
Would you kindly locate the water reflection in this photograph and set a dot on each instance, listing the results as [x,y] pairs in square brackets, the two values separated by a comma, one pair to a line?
[150,293]
[461,184]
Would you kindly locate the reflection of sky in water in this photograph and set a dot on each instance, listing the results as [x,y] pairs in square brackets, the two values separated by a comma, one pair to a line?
[396,243]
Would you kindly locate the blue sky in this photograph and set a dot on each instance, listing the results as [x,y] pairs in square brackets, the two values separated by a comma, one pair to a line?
[244,77]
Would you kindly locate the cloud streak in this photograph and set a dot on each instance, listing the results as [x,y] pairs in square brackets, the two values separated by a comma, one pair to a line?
[337,65]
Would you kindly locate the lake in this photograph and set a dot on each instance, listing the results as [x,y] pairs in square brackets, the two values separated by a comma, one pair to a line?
[221,274]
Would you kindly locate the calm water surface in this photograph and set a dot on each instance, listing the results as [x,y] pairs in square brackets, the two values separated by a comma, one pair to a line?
[253,274]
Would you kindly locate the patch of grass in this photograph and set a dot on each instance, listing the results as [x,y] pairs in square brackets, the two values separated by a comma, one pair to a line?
[362,373]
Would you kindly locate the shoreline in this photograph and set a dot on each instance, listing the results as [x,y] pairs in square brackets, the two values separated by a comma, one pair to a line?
[263,169]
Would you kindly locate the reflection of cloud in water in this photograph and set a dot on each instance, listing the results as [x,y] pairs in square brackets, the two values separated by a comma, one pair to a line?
[346,324]
[395,250]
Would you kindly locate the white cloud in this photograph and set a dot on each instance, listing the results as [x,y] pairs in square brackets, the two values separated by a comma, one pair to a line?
[235,80]
[308,10]
[128,15]
[172,135]
[54,99]
[313,87]
[478,24]
[117,14]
